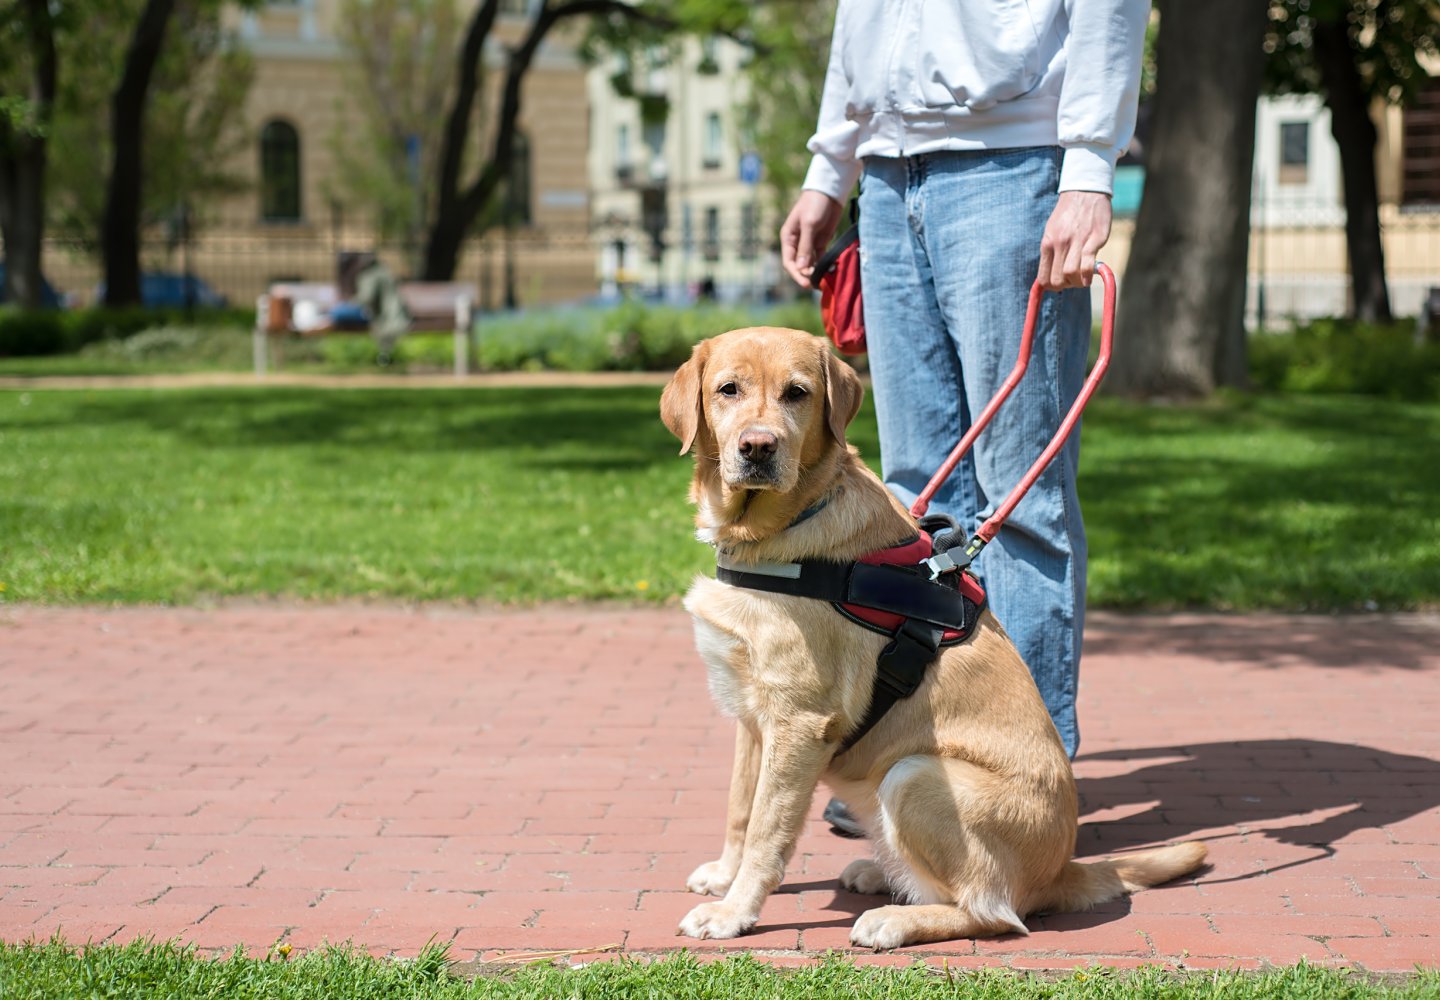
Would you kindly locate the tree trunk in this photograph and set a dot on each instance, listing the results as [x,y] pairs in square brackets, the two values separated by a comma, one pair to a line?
[23,156]
[457,210]
[442,248]
[1182,305]
[22,216]
[120,231]
[447,232]
[1354,132]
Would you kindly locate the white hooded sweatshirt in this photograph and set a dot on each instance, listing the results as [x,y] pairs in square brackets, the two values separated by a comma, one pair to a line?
[919,76]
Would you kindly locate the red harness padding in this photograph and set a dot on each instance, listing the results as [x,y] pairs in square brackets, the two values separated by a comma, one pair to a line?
[909,554]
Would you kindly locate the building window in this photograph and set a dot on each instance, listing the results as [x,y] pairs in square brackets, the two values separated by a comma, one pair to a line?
[279,173]
[714,141]
[654,137]
[1294,152]
[517,185]
[624,163]
[687,230]
[749,232]
[710,247]
[709,64]
[1420,159]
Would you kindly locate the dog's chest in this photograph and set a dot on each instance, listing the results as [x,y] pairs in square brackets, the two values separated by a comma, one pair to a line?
[727,662]
[766,655]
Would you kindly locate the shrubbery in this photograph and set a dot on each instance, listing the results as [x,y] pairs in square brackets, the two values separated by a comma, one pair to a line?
[1322,356]
[1343,356]
[630,337]
[36,332]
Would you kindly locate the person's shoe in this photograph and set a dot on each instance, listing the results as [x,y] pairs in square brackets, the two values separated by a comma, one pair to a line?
[842,824]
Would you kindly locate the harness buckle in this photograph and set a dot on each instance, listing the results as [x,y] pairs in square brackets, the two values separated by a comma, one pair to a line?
[943,562]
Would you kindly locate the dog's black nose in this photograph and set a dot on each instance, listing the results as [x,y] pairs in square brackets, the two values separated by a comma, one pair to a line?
[757,444]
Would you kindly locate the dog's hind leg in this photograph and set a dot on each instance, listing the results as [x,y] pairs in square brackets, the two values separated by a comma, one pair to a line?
[939,849]
[713,878]
[865,877]
[896,926]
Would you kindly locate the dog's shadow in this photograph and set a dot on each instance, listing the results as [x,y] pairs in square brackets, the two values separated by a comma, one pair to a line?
[1273,788]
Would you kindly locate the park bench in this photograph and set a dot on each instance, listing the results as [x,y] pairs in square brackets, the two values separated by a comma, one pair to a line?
[303,309]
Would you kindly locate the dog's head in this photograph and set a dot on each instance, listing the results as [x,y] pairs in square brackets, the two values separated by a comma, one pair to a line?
[760,406]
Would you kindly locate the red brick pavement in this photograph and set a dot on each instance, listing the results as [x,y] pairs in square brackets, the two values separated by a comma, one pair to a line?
[545,779]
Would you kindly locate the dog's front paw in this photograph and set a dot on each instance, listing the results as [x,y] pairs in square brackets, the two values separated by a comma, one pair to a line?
[711,879]
[865,877]
[715,920]
[881,928]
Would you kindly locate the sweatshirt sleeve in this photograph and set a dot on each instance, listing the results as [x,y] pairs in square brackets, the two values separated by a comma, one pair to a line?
[1101,92]
[834,167]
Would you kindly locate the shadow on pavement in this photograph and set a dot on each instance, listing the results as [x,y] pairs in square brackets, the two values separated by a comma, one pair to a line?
[1271,787]
[1365,643]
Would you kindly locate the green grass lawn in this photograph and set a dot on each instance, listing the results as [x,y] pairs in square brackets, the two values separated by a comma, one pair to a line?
[124,972]
[541,494]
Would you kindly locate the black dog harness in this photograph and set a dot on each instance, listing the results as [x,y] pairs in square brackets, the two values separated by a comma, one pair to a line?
[898,591]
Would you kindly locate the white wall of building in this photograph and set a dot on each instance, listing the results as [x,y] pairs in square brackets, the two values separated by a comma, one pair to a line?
[715,229]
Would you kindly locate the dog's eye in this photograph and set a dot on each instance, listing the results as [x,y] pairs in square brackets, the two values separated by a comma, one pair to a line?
[728,389]
[796,392]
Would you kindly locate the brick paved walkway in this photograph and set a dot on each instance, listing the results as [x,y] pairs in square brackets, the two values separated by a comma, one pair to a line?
[546,779]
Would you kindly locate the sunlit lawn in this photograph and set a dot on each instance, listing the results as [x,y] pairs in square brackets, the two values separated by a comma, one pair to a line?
[120,972]
[540,494]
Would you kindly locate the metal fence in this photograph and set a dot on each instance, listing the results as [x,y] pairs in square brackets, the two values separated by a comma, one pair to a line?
[1297,261]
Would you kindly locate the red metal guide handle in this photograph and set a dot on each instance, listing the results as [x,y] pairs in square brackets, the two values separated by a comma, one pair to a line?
[991,527]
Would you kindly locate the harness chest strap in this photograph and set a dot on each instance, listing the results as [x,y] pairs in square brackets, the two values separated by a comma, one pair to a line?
[920,615]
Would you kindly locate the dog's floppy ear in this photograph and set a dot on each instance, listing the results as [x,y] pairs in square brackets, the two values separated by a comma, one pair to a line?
[843,393]
[680,403]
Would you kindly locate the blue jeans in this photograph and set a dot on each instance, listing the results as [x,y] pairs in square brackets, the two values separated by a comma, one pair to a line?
[950,245]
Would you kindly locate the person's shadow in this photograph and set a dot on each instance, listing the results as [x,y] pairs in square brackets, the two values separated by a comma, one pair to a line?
[1272,788]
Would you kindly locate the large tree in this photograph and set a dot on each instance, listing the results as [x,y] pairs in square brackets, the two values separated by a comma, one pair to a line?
[1181,325]
[120,232]
[28,74]
[462,204]
[1354,53]
[194,122]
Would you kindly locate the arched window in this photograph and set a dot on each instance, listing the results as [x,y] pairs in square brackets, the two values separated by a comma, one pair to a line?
[517,188]
[279,172]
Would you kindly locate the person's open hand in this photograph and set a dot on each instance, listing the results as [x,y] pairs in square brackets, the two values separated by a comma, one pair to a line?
[1077,229]
[806,233]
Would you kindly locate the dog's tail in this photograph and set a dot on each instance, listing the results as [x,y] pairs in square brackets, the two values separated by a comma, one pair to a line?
[1081,886]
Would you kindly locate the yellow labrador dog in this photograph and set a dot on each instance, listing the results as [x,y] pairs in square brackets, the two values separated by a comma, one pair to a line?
[964,787]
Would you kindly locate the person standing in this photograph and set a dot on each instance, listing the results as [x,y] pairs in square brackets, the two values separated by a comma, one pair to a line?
[984,135]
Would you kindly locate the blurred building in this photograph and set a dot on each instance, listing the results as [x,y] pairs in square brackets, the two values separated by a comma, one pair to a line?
[1297,212]
[677,206]
[294,218]
[1298,262]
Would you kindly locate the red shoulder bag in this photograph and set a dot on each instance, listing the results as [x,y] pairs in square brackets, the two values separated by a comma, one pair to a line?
[837,276]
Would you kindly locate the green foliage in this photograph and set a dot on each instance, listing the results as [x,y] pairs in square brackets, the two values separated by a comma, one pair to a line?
[1345,356]
[38,332]
[1392,40]
[400,63]
[30,332]
[783,90]
[633,336]
[113,972]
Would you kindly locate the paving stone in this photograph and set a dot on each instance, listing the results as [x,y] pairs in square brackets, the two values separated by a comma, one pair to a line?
[244,775]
